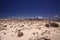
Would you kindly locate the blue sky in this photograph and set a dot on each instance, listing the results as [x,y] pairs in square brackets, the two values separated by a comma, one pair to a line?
[45,8]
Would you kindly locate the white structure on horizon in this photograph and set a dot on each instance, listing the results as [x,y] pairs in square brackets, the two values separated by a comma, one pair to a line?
[55,15]
[40,17]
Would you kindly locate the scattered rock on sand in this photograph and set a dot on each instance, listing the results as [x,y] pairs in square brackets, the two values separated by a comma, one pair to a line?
[54,24]
[20,34]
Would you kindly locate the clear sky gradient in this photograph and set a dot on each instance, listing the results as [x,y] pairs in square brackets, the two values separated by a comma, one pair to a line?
[45,8]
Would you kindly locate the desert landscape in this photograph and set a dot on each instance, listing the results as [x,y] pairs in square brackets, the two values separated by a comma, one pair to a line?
[29,29]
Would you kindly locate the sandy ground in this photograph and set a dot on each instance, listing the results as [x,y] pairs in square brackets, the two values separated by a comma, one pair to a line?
[28,30]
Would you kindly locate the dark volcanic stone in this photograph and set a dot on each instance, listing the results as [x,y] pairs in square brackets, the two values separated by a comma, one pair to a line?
[5,26]
[47,25]
[54,24]
[20,34]
[44,38]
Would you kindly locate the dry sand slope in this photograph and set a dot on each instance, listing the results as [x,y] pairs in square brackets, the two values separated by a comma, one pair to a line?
[29,30]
